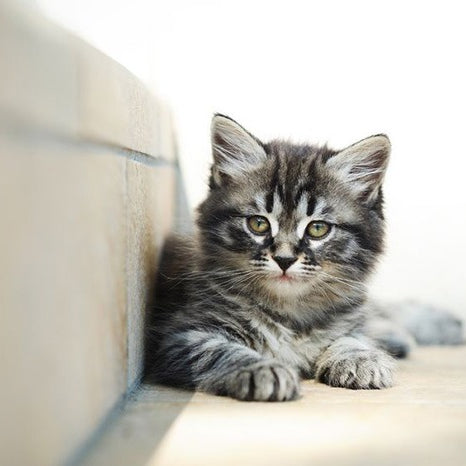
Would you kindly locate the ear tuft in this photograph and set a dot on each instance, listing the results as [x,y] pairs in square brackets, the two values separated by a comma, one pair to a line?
[236,151]
[363,165]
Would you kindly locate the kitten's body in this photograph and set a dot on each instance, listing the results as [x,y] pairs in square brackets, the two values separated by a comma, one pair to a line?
[245,314]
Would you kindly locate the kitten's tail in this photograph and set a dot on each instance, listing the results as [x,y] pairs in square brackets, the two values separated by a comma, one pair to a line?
[399,327]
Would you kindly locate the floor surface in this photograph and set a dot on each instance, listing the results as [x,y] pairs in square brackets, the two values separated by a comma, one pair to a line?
[420,421]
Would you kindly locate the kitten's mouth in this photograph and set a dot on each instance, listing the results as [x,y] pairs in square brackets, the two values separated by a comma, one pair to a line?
[284,278]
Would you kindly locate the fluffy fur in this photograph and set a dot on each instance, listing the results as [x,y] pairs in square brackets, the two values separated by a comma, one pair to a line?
[247,315]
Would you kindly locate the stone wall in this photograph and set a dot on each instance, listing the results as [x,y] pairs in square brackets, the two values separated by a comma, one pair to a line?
[87,192]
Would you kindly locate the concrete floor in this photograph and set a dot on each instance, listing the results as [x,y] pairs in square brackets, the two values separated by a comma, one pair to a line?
[420,421]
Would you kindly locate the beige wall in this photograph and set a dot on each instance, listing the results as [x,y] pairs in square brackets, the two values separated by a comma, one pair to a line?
[87,194]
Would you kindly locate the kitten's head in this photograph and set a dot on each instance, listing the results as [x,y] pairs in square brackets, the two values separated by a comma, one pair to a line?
[293,219]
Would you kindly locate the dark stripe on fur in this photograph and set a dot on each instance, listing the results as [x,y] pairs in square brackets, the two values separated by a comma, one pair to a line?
[371,243]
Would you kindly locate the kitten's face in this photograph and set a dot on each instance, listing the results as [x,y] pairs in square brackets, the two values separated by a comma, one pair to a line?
[293,219]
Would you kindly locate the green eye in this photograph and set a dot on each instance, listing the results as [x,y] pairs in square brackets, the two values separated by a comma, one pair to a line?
[258,225]
[317,230]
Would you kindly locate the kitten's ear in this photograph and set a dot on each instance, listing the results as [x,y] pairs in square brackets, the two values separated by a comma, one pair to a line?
[236,151]
[363,165]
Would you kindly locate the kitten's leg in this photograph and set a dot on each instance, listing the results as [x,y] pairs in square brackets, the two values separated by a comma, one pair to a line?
[427,325]
[214,363]
[354,362]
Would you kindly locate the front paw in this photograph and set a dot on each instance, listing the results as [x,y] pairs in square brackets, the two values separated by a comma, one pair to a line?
[263,381]
[370,369]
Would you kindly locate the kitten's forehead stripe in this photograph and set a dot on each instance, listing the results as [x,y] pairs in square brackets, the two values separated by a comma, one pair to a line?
[293,181]
[273,186]
[312,171]
[299,193]
[311,205]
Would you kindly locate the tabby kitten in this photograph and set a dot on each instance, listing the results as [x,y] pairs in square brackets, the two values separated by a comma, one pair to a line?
[272,288]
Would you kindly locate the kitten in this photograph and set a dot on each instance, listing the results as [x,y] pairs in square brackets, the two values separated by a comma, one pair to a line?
[272,288]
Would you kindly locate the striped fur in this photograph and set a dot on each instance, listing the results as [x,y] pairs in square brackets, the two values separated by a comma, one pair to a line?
[230,320]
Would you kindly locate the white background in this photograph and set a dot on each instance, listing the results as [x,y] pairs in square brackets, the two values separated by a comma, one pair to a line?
[317,71]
